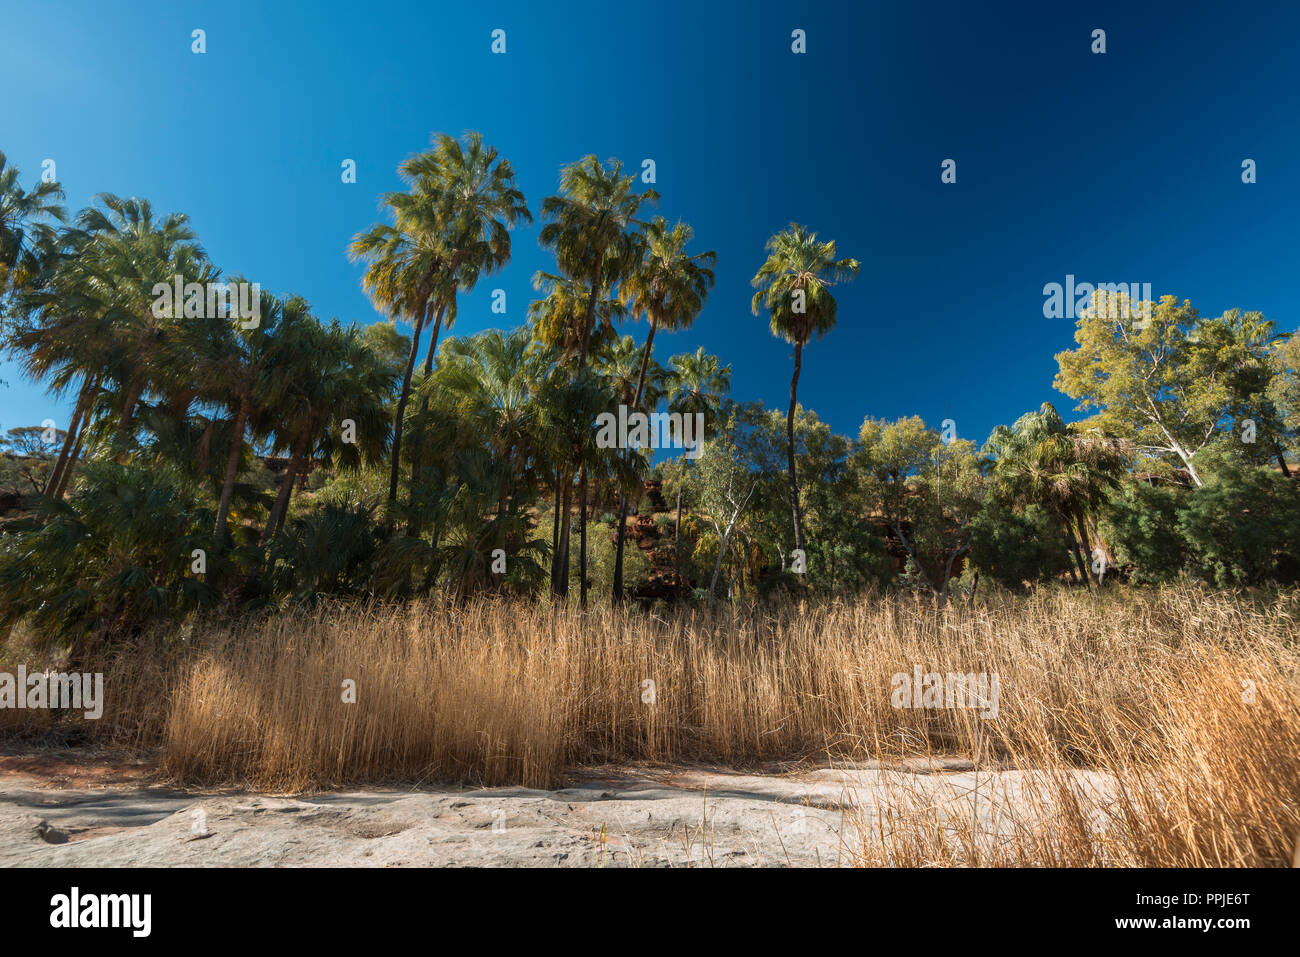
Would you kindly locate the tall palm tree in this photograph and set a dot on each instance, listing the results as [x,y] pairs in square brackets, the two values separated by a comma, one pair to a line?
[125,252]
[669,287]
[592,227]
[23,226]
[61,334]
[451,227]
[794,285]
[558,322]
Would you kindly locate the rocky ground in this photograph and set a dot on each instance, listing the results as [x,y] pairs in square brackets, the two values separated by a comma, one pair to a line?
[61,813]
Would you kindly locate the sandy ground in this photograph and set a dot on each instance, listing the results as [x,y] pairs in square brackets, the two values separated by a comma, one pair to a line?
[65,812]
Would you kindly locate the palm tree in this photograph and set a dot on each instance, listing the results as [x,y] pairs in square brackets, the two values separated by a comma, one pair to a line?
[669,287]
[251,378]
[558,322]
[591,226]
[451,227]
[794,285]
[22,225]
[334,377]
[1040,459]
[124,252]
[62,335]
[697,383]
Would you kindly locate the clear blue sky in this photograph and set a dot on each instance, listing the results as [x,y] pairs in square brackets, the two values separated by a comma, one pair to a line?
[1117,167]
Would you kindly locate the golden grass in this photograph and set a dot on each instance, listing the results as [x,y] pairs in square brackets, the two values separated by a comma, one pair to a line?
[1145,688]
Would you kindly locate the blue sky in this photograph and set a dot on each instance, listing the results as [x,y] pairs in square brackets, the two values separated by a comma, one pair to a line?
[1117,167]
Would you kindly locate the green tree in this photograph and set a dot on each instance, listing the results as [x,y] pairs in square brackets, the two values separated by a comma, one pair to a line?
[1173,383]
[927,491]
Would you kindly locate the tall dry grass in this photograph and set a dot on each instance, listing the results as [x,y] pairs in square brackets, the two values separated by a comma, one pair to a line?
[1145,688]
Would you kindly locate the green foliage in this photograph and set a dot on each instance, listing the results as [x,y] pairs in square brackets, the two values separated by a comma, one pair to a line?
[1013,548]
[1244,529]
[112,560]
[1143,529]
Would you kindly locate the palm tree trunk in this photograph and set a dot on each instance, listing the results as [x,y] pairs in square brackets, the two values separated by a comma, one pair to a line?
[69,440]
[1078,556]
[413,524]
[401,401]
[589,319]
[583,345]
[281,506]
[70,467]
[128,410]
[677,537]
[232,469]
[789,432]
[622,501]
[555,527]
[1081,521]
[561,560]
[582,538]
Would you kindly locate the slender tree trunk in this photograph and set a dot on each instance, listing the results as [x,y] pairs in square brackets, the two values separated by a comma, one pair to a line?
[722,551]
[561,561]
[590,318]
[582,538]
[555,527]
[402,398]
[789,432]
[417,450]
[232,469]
[617,596]
[1081,521]
[677,537]
[69,440]
[1281,459]
[281,505]
[70,467]
[1078,557]
[128,410]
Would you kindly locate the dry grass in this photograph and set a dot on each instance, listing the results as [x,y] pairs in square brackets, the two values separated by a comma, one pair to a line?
[1145,688]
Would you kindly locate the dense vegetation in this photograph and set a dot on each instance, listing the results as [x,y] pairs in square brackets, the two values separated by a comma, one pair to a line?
[214,466]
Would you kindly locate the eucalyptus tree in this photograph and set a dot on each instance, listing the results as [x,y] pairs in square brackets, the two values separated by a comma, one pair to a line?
[1173,384]
[794,286]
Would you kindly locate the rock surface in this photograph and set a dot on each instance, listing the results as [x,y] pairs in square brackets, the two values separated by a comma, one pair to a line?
[679,817]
